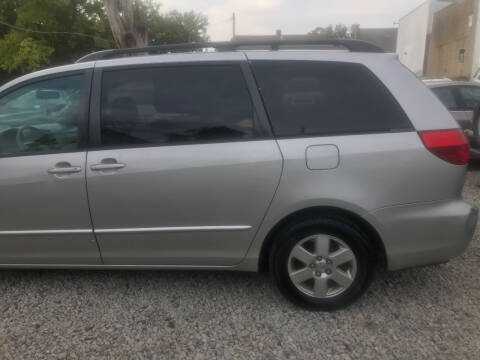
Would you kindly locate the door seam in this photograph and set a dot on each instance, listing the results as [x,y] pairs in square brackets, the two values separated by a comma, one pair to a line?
[90,211]
[267,211]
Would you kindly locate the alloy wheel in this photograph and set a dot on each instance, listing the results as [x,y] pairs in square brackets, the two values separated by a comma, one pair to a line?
[322,266]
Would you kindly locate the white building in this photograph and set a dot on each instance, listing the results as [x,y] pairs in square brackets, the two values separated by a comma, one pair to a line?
[413,32]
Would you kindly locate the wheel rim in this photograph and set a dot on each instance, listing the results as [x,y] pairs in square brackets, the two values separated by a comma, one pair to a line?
[322,266]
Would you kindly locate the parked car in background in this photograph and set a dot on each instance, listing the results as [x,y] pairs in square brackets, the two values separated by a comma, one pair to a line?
[460,98]
[476,77]
[317,165]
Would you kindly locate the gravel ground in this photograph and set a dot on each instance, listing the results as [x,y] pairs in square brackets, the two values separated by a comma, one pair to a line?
[426,313]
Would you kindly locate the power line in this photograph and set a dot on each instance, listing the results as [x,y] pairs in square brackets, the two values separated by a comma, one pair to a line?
[51,32]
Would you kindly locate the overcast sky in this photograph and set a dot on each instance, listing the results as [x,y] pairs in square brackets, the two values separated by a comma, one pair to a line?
[292,16]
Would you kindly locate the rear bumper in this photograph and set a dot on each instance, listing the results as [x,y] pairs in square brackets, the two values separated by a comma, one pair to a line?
[427,233]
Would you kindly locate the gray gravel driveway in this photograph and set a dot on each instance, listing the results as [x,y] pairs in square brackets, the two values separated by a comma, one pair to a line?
[426,313]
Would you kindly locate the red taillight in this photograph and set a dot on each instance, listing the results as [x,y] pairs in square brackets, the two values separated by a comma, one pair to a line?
[449,145]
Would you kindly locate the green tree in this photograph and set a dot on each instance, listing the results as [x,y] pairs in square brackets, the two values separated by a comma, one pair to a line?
[338,31]
[138,23]
[7,14]
[35,33]
[40,33]
[176,27]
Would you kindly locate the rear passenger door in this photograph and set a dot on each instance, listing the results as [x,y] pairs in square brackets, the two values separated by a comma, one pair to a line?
[184,165]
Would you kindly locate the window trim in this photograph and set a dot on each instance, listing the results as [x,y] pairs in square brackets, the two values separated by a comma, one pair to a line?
[411,128]
[83,123]
[95,104]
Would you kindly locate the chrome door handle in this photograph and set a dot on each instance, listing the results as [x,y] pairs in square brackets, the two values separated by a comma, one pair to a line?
[100,167]
[65,170]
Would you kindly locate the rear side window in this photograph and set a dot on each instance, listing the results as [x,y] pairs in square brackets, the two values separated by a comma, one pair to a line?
[314,98]
[180,104]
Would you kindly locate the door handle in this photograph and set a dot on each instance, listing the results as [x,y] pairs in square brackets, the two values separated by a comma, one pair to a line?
[59,169]
[114,166]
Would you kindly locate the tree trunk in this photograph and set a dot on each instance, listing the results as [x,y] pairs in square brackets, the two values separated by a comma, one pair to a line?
[127,28]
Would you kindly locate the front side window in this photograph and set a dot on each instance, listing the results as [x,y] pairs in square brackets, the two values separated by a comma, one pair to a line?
[314,98]
[172,105]
[41,117]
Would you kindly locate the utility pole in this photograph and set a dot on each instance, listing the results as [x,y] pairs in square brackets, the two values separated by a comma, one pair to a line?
[233,23]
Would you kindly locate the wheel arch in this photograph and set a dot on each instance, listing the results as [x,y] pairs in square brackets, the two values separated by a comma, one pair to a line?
[324,211]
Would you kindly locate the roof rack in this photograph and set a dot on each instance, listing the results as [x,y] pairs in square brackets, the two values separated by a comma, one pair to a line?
[351,45]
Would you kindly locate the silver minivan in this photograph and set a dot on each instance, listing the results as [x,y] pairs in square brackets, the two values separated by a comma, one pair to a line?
[316,164]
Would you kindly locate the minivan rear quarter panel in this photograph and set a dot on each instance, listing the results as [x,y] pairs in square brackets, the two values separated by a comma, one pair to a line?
[376,170]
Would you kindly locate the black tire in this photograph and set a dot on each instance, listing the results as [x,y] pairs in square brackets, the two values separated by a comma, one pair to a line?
[290,235]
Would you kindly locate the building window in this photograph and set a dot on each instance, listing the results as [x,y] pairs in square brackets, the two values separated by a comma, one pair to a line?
[461,55]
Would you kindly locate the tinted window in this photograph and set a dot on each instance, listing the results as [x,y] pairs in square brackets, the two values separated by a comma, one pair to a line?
[175,105]
[42,117]
[447,97]
[307,98]
[470,96]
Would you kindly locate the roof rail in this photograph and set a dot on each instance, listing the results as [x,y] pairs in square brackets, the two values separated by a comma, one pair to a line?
[351,45]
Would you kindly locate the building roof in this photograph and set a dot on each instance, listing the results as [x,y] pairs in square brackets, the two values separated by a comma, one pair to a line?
[385,38]
[278,36]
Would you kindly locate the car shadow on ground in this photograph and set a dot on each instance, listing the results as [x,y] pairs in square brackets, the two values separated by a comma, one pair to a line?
[180,286]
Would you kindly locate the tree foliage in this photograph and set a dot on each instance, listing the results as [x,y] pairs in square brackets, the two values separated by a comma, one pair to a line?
[338,31]
[40,33]
[50,32]
[137,23]
[178,27]
[23,52]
